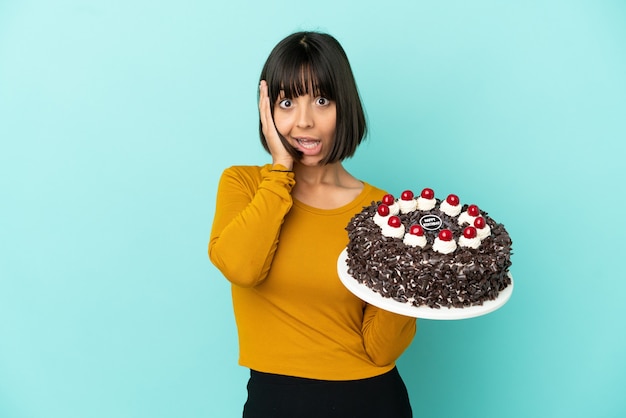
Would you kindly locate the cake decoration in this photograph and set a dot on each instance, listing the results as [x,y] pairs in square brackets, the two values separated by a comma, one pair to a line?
[441,254]
[451,206]
[444,243]
[415,237]
[482,228]
[427,200]
[431,222]
[394,207]
[469,238]
[382,215]
[470,214]
[394,228]
[406,202]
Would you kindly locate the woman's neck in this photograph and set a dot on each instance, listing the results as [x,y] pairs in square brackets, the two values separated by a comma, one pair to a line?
[330,174]
[325,187]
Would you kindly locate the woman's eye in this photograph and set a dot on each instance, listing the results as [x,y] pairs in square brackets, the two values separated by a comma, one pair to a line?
[322,101]
[285,103]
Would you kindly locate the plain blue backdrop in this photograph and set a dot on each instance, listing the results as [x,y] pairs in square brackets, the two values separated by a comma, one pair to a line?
[117,118]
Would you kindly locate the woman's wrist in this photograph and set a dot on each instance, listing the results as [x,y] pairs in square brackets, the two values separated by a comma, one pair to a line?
[282,166]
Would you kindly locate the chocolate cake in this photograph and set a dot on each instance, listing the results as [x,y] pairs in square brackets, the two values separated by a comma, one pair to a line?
[429,252]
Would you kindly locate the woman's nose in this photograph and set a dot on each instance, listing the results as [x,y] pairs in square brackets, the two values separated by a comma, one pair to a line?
[305,117]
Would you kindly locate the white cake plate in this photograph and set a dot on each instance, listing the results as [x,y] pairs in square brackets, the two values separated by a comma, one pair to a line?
[406,308]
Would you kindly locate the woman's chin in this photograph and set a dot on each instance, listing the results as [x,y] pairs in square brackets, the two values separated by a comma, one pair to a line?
[310,160]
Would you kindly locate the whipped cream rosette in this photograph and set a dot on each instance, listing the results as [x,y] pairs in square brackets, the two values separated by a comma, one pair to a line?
[394,206]
[426,200]
[483,230]
[382,215]
[394,228]
[406,202]
[470,214]
[451,206]
[469,239]
[415,237]
[444,243]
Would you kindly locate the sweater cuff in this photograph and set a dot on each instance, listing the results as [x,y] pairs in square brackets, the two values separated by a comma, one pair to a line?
[280,175]
[280,167]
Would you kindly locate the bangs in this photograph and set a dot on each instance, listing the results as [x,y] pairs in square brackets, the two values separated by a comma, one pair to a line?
[301,76]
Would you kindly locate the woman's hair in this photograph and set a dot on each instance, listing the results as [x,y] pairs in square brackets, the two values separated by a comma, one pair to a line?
[315,63]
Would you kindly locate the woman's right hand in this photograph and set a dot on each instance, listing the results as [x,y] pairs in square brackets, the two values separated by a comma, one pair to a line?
[279,153]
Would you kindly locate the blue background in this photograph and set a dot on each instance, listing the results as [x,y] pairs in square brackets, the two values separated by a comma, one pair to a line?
[117,118]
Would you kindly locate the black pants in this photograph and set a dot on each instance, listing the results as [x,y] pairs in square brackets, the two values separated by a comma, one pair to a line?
[276,396]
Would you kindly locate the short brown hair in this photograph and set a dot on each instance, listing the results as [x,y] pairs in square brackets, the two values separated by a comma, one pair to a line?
[313,60]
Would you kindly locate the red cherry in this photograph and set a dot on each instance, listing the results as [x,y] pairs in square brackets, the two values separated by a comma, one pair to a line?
[469,232]
[445,235]
[416,230]
[394,221]
[480,222]
[472,210]
[453,199]
[428,193]
[389,200]
[407,195]
[383,210]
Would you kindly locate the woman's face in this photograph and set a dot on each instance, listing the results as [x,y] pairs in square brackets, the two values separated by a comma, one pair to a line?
[308,123]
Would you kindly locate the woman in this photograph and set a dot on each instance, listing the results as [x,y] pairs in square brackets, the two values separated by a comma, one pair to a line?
[313,348]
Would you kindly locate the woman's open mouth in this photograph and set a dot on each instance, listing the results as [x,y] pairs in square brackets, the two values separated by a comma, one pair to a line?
[307,144]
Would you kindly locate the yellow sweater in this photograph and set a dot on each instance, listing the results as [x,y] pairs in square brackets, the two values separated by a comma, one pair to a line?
[294,317]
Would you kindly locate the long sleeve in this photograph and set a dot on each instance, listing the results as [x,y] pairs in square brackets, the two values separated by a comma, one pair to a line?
[386,335]
[293,314]
[251,206]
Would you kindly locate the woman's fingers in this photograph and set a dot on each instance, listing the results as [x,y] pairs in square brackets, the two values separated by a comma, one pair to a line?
[265,111]
[279,154]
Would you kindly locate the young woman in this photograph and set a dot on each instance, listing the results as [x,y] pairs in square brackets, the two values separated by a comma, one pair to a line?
[313,348]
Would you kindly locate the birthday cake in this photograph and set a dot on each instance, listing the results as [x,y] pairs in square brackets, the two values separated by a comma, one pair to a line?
[425,251]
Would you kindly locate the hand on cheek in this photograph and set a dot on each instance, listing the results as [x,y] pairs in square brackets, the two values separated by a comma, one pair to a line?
[279,154]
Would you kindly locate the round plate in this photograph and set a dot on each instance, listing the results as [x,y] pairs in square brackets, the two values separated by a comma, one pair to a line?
[403,308]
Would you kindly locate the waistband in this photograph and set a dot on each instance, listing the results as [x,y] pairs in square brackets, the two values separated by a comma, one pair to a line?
[279,379]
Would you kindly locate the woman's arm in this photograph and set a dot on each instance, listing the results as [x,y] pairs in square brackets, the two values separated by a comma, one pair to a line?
[250,210]
[386,335]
